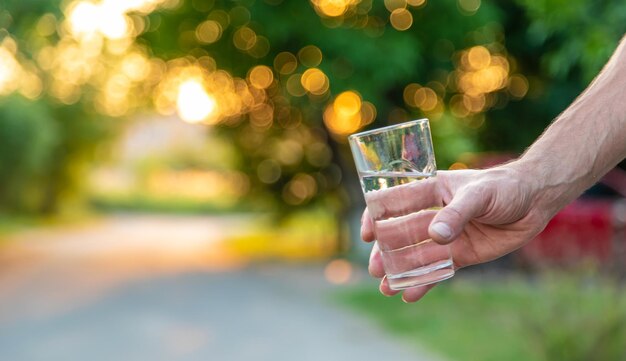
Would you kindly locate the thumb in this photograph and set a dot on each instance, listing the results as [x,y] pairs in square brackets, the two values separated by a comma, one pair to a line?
[450,221]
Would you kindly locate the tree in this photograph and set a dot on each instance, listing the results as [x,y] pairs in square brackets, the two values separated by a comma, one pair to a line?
[287,81]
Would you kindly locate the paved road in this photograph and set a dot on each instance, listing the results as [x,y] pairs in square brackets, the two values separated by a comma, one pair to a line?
[157,288]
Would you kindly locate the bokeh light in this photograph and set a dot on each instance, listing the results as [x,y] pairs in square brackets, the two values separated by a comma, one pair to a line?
[239,15]
[457,166]
[9,70]
[518,86]
[319,154]
[95,48]
[478,58]
[315,81]
[310,56]
[401,19]
[392,5]
[409,94]
[294,85]
[113,24]
[209,31]
[261,76]
[333,8]
[244,38]
[194,104]
[299,189]
[338,271]
[285,63]
[232,97]
[288,152]
[468,6]
[478,76]
[197,184]
[16,75]
[109,18]
[347,104]
[269,171]
[347,114]
[260,48]
[262,116]
[83,17]
[416,3]
[417,96]
[221,17]
[46,26]
[135,66]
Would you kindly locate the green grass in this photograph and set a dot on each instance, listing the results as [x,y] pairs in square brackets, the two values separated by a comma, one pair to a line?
[505,319]
[154,205]
[15,223]
[11,223]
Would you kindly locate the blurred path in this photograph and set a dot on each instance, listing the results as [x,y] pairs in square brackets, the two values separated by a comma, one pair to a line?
[161,288]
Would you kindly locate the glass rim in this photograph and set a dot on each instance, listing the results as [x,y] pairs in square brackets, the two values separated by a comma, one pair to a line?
[388,128]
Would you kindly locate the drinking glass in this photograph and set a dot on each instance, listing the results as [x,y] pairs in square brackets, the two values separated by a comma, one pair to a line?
[390,161]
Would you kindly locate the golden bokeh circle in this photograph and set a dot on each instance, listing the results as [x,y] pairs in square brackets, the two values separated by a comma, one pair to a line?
[315,81]
[310,56]
[260,77]
[401,19]
[285,62]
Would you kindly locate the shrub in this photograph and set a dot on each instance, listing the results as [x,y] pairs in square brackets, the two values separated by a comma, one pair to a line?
[28,139]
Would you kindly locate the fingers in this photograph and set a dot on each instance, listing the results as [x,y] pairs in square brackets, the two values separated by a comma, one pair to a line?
[449,222]
[397,232]
[406,241]
[416,293]
[404,231]
[376,270]
[367,227]
[385,289]
[403,199]
[408,258]
[376,263]
[409,295]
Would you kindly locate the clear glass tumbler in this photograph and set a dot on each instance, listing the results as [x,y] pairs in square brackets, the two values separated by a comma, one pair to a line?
[390,161]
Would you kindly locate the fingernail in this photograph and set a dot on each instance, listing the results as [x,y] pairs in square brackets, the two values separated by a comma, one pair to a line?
[442,229]
[380,289]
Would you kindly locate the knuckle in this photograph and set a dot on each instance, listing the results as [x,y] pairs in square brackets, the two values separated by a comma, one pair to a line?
[452,212]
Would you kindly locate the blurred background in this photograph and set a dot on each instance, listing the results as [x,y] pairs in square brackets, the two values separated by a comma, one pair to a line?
[175,182]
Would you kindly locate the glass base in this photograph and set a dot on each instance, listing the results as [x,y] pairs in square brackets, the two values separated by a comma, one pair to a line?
[422,276]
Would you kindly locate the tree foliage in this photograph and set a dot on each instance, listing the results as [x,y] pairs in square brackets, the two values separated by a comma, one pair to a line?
[286,81]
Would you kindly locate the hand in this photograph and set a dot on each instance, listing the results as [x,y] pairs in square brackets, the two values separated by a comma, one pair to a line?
[486,214]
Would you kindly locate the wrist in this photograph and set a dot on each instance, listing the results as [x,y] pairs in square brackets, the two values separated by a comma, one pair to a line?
[547,191]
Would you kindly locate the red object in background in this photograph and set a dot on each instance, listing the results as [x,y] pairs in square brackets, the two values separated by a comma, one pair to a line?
[585,229]
[582,230]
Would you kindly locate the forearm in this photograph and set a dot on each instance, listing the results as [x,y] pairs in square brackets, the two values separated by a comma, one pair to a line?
[585,141]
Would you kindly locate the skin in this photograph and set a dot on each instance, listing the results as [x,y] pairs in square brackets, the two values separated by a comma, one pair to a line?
[489,213]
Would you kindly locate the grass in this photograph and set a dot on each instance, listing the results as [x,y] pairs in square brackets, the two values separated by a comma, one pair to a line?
[12,223]
[15,223]
[155,205]
[506,319]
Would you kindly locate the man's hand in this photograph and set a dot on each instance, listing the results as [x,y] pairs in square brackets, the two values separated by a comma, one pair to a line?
[486,214]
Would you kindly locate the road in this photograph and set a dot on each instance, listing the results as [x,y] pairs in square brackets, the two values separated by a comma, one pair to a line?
[162,288]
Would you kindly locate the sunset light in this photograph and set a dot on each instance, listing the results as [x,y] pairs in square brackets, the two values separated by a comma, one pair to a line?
[193,103]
